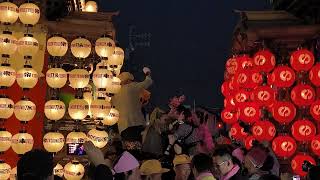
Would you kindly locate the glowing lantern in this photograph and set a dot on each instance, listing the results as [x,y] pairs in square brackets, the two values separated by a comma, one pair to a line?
[24,110]
[8,43]
[56,77]
[81,48]
[9,13]
[283,112]
[315,110]
[284,146]
[315,145]
[264,60]
[263,130]
[57,46]
[58,170]
[282,76]
[248,142]
[27,77]
[114,87]
[241,79]
[76,137]
[237,132]
[102,78]
[225,89]
[229,102]
[249,112]
[241,96]
[112,118]
[232,65]
[78,109]
[229,116]
[91,6]
[22,142]
[116,59]
[6,107]
[74,170]
[303,130]
[7,76]
[302,95]
[79,78]
[29,13]
[314,74]
[100,108]
[244,62]
[5,140]
[301,60]
[104,46]
[5,170]
[13,174]
[264,95]
[98,137]
[87,96]
[28,45]
[54,110]
[298,160]
[53,142]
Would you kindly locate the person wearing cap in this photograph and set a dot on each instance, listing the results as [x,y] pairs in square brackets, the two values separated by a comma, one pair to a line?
[152,169]
[126,167]
[254,161]
[201,167]
[182,167]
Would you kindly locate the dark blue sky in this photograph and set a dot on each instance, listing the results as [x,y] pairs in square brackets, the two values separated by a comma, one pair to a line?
[190,43]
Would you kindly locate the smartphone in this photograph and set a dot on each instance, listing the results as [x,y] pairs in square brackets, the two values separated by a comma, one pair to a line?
[76,149]
[296,177]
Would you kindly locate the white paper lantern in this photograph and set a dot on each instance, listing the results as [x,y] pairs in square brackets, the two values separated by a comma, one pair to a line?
[79,78]
[27,77]
[9,13]
[91,6]
[24,110]
[22,143]
[28,45]
[102,78]
[5,140]
[6,107]
[112,118]
[76,137]
[29,13]
[104,47]
[5,170]
[115,86]
[78,109]
[73,170]
[53,142]
[54,110]
[98,137]
[57,46]
[7,75]
[56,77]
[58,170]
[116,60]
[13,174]
[81,47]
[8,43]
[100,108]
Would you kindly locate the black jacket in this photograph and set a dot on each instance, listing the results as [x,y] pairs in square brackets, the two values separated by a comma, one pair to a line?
[238,176]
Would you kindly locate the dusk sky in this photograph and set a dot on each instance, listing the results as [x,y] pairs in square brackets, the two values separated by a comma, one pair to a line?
[191,40]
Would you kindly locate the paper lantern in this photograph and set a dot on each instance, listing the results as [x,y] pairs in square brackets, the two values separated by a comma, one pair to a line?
[241,96]
[53,142]
[114,87]
[237,132]
[76,137]
[302,60]
[263,131]
[79,78]
[112,118]
[229,116]
[315,145]
[91,6]
[5,170]
[6,107]
[226,88]
[244,62]
[284,146]
[87,96]
[102,78]
[54,109]
[282,76]
[29,13]
[302,95]
[116,59]
[104,46]
[56,77]
[298,160]
[8,43]
[248,142]
[98,137]
[81,48]
[57,46]
[9,13]
[314,74]
[74,170]
[249,112]
[58,170]
[22,142]
[27,77]
[5,140]
[100,108]
[229,102]
[315,110]
[78,109]
[264,95]
[24,110]
[7,76]
[264,60]
[28,45]
[303,130]
[242,78]
[283,112]
[232,65]
[13,173]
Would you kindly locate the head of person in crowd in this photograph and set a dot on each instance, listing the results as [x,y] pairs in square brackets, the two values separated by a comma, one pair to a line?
[152,169]
[126,167]
[126,78]
[269,177]
[182,167]
[314,173]
[201,163]
[254,160]
[183,113]
[35,165]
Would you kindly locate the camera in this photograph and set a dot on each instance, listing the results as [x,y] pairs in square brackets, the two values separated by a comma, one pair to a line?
[76,149]
[306,166]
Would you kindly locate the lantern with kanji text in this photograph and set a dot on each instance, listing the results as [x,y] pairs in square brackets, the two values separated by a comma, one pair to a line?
[264,95]
[6,107]
[249,112]
[28,45]
[229,116]
[112,118]
[29,13]
[282,76]
[78,109]
[303,130]
[5,170]
[264,60]
[302,60]
[9,12]
[74,170]
[284,146]
[81,48]
[57,46]
[98,137]
[7,75]
[8,44]
[283,112]
[79,78]
[27,77]
[5,140]
[303,95]
[104,47]
[22,142]
[53,142]
[56,77]
[25,110]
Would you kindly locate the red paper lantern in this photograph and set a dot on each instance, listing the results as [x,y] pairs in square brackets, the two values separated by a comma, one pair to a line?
[241,79]
[237,132]
[232,65]
[298,160]
[229,102]
[229,116]
[284,146]
[282,76]
[302,95]
[225,89]
[283,112]
[263,131]
[264,60]
[303,130]
[315,110]
[241,96]
[315,145]
[248,142]
[255,78]
[249,112]
[302,60]
[244,62]
[314,74]
[264,95]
